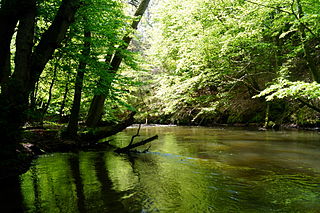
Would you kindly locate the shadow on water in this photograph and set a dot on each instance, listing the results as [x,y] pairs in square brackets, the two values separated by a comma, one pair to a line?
[110,197]
[63,183]
[10,196]
[76,175]
[188,170]
[35,184]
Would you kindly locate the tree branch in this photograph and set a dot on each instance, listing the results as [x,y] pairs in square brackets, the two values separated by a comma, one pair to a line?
[136,135]
[52,38]
[131,146]
[300,22]
[309,105]
[288,12]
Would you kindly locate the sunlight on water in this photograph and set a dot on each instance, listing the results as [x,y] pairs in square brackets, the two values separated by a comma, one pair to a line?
[188,169]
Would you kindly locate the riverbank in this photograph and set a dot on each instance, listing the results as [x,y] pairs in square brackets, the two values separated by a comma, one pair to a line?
[258,126]
[238,169]
[38,141]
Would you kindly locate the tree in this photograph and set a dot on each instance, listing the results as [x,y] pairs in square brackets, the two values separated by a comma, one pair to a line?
[298,77]
[74,117]
[113,60]
[210,58]
[30,60]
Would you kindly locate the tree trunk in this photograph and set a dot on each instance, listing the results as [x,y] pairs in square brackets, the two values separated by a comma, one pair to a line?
[95,110]
[28,67]
[8,22]
[24,44]
[14,98]
[54,78]
[52,39]
[74,117]
[103,132]
[97,104]
[33,97]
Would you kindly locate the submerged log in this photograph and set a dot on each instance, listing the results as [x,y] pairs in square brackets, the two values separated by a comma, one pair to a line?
[132,146]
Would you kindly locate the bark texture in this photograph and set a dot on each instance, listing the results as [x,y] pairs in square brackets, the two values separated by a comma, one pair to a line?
[8,21]
[28,67]
[104,132]
[97,105]
[72,128]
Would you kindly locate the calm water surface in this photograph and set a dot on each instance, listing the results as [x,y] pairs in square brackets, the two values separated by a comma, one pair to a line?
[189,169]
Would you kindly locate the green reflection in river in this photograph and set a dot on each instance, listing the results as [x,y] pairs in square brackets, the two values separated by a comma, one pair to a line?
[186,170]
[48,185]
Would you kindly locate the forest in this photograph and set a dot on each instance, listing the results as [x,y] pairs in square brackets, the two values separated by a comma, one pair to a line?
[79,70]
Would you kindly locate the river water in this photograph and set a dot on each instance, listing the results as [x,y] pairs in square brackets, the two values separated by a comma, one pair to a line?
[188,169]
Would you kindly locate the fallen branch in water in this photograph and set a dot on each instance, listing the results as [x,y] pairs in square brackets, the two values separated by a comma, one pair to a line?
[132,146]
[136,135]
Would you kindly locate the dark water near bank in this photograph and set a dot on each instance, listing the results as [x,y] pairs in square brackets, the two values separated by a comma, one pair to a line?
[188,169]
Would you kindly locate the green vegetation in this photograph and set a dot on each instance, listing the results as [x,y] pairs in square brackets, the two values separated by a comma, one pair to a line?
[210,58]
[194,62]
[56,58]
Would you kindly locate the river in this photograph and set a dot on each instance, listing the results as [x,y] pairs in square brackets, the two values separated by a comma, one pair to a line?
[188,169]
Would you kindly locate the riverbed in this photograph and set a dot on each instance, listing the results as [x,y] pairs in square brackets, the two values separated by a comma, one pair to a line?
[188,169]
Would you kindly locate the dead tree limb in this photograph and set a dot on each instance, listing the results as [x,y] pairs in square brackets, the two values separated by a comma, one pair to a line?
[136,135]
[132,146]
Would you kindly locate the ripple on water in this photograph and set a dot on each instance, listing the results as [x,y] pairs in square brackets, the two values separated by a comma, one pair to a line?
[188,170]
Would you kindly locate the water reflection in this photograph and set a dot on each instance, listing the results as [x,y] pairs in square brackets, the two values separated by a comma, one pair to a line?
[188,170]
[78,184]
[10,196]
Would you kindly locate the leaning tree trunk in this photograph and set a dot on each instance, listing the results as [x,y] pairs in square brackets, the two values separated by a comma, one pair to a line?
[97,105]
[74,117]
[51,39]
[106,131]
[47,104]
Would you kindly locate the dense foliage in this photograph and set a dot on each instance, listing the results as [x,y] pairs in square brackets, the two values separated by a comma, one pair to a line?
[56,58]
[203,62]
[233,62]
[195,62]
[107,23]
